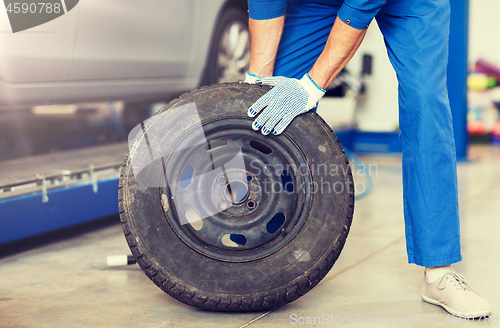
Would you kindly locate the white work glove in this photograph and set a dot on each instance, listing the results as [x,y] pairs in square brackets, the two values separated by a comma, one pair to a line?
[251,78]
[287,99]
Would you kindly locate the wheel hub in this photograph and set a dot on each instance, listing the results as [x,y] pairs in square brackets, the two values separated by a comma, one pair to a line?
[236,192]
[235,196]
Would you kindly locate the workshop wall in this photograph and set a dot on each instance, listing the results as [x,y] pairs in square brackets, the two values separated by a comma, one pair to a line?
[484,41]
[379,112]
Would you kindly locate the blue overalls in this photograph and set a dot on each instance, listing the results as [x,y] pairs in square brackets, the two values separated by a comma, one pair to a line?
[416,36]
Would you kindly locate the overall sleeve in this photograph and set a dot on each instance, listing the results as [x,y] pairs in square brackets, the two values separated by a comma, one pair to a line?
[359,13]
[266,9]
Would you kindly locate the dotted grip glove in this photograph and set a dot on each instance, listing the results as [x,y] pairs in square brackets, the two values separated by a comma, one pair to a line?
[287,99]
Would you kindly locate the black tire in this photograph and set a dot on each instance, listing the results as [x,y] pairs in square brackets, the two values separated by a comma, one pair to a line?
[260,278]
[213,73]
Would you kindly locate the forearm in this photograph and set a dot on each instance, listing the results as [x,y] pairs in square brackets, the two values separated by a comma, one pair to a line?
[265,36]
[341,45]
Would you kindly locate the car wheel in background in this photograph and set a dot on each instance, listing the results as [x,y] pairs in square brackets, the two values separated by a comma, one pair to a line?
[230,51]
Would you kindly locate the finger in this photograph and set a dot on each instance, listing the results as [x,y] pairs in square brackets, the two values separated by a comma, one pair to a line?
[283,124]
[282,109]
[290,114]
[260,104]
[268,113]
[278,111]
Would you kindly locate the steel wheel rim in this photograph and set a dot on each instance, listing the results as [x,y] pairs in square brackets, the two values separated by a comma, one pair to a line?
[251,222]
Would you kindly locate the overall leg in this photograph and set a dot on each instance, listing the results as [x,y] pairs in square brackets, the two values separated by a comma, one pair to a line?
[416,36]
[307,26]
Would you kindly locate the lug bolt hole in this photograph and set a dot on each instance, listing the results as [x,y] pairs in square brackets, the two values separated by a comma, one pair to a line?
[249,178]
[251,204]
[223,206]
[221,179]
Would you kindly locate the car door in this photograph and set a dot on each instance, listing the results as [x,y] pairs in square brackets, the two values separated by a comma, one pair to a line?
[131,39]
[43,53]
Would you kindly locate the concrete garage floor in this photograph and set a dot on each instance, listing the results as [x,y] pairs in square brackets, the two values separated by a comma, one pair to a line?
[67,284]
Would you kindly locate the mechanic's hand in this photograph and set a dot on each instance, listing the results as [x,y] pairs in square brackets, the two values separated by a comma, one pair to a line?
[287,99]
[251,78]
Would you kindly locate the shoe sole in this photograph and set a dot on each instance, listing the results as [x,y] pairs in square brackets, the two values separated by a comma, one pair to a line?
[455,312]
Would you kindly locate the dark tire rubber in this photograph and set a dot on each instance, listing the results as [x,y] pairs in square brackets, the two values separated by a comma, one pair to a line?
[257,285]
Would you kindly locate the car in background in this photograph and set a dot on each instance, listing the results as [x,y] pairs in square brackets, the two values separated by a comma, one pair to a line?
[124,50]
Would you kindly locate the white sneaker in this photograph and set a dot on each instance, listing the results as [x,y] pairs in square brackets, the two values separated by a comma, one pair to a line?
[454,294]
